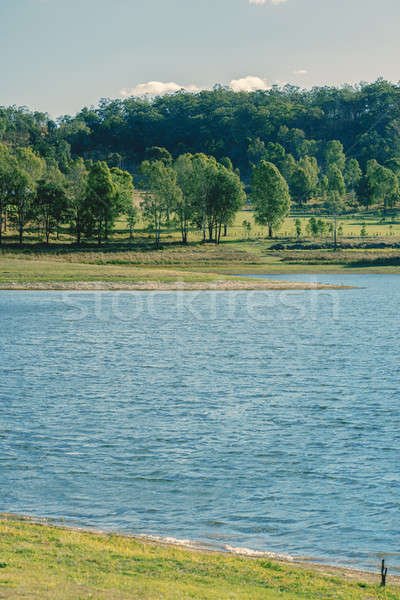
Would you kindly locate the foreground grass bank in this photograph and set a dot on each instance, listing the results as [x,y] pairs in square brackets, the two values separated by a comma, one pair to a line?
[197,266]
[40,562]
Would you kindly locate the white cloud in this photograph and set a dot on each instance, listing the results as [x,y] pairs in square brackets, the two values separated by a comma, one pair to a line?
[300,72]
[249,84]
[261,2]
[157,88]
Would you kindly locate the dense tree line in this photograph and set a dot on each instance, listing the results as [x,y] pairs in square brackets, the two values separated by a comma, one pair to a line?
[193,191]
[220,123]
[338,149]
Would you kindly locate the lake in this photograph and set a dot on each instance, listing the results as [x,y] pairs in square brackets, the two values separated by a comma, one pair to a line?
[261,420]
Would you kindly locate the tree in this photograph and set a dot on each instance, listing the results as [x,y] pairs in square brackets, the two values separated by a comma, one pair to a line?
[298,227]
[125,196]
[352,173]
[217,194]
[155,153]
[365,192]
[76,190]
[316,227]
[204,173]
[28,169]
[132,214]
[22,202]
[310,165]
[8,166]
[384,184]
[289,166]
[336,191]
[301,186]
[51,204]
[226,199]
[270,195]
[255,151]
[162,194]
[101,200]
[184,205]
[336,184]
[334,155]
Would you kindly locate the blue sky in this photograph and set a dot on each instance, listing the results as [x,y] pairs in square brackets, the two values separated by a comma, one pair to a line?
[59,55]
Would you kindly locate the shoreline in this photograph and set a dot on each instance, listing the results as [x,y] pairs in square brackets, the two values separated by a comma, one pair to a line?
[324,569]
[178,286]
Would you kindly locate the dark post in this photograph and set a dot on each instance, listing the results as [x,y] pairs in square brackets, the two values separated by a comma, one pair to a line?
[383,574]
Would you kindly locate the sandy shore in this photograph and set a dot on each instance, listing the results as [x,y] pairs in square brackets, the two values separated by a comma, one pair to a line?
[148,286]
[300,562]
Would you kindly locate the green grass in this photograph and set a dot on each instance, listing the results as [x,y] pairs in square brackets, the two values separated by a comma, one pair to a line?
[38,562]
[122,261]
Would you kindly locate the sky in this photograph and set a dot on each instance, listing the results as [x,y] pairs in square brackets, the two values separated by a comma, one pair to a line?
[60,55]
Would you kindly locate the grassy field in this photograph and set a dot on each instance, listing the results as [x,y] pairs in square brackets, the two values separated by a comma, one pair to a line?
[39,562]
[204,263]
[138,261]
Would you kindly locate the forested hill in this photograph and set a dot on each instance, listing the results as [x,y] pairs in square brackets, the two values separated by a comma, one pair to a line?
[242,126]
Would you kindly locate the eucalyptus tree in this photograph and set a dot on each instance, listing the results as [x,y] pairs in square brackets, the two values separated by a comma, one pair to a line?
[101,200]
[162,194]
[76,190]
[301,186]
[125,197]
[336,196]
[184,205]
[384,184]
[204,173]
[352,173]
[228,198]
[365,192]
[8,166]
[270,194]
[28,170]
[334,155]
[51,206]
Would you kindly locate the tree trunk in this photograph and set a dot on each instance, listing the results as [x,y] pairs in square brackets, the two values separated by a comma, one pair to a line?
[270,231]
[78,231]
[225,230]
[99,233]
[335,235]
[21,233]
[184,233]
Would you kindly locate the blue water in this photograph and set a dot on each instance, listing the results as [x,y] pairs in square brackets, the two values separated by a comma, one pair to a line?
[263,420]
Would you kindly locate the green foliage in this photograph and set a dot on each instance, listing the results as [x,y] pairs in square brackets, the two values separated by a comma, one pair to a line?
[102,201]
[384,184]
[270,194]
[159,154]
[336,184]
[301,186]
[247,227]
[352,173]
[317,227]
[334,155]
[162,194]
[51,206]
[76,190]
